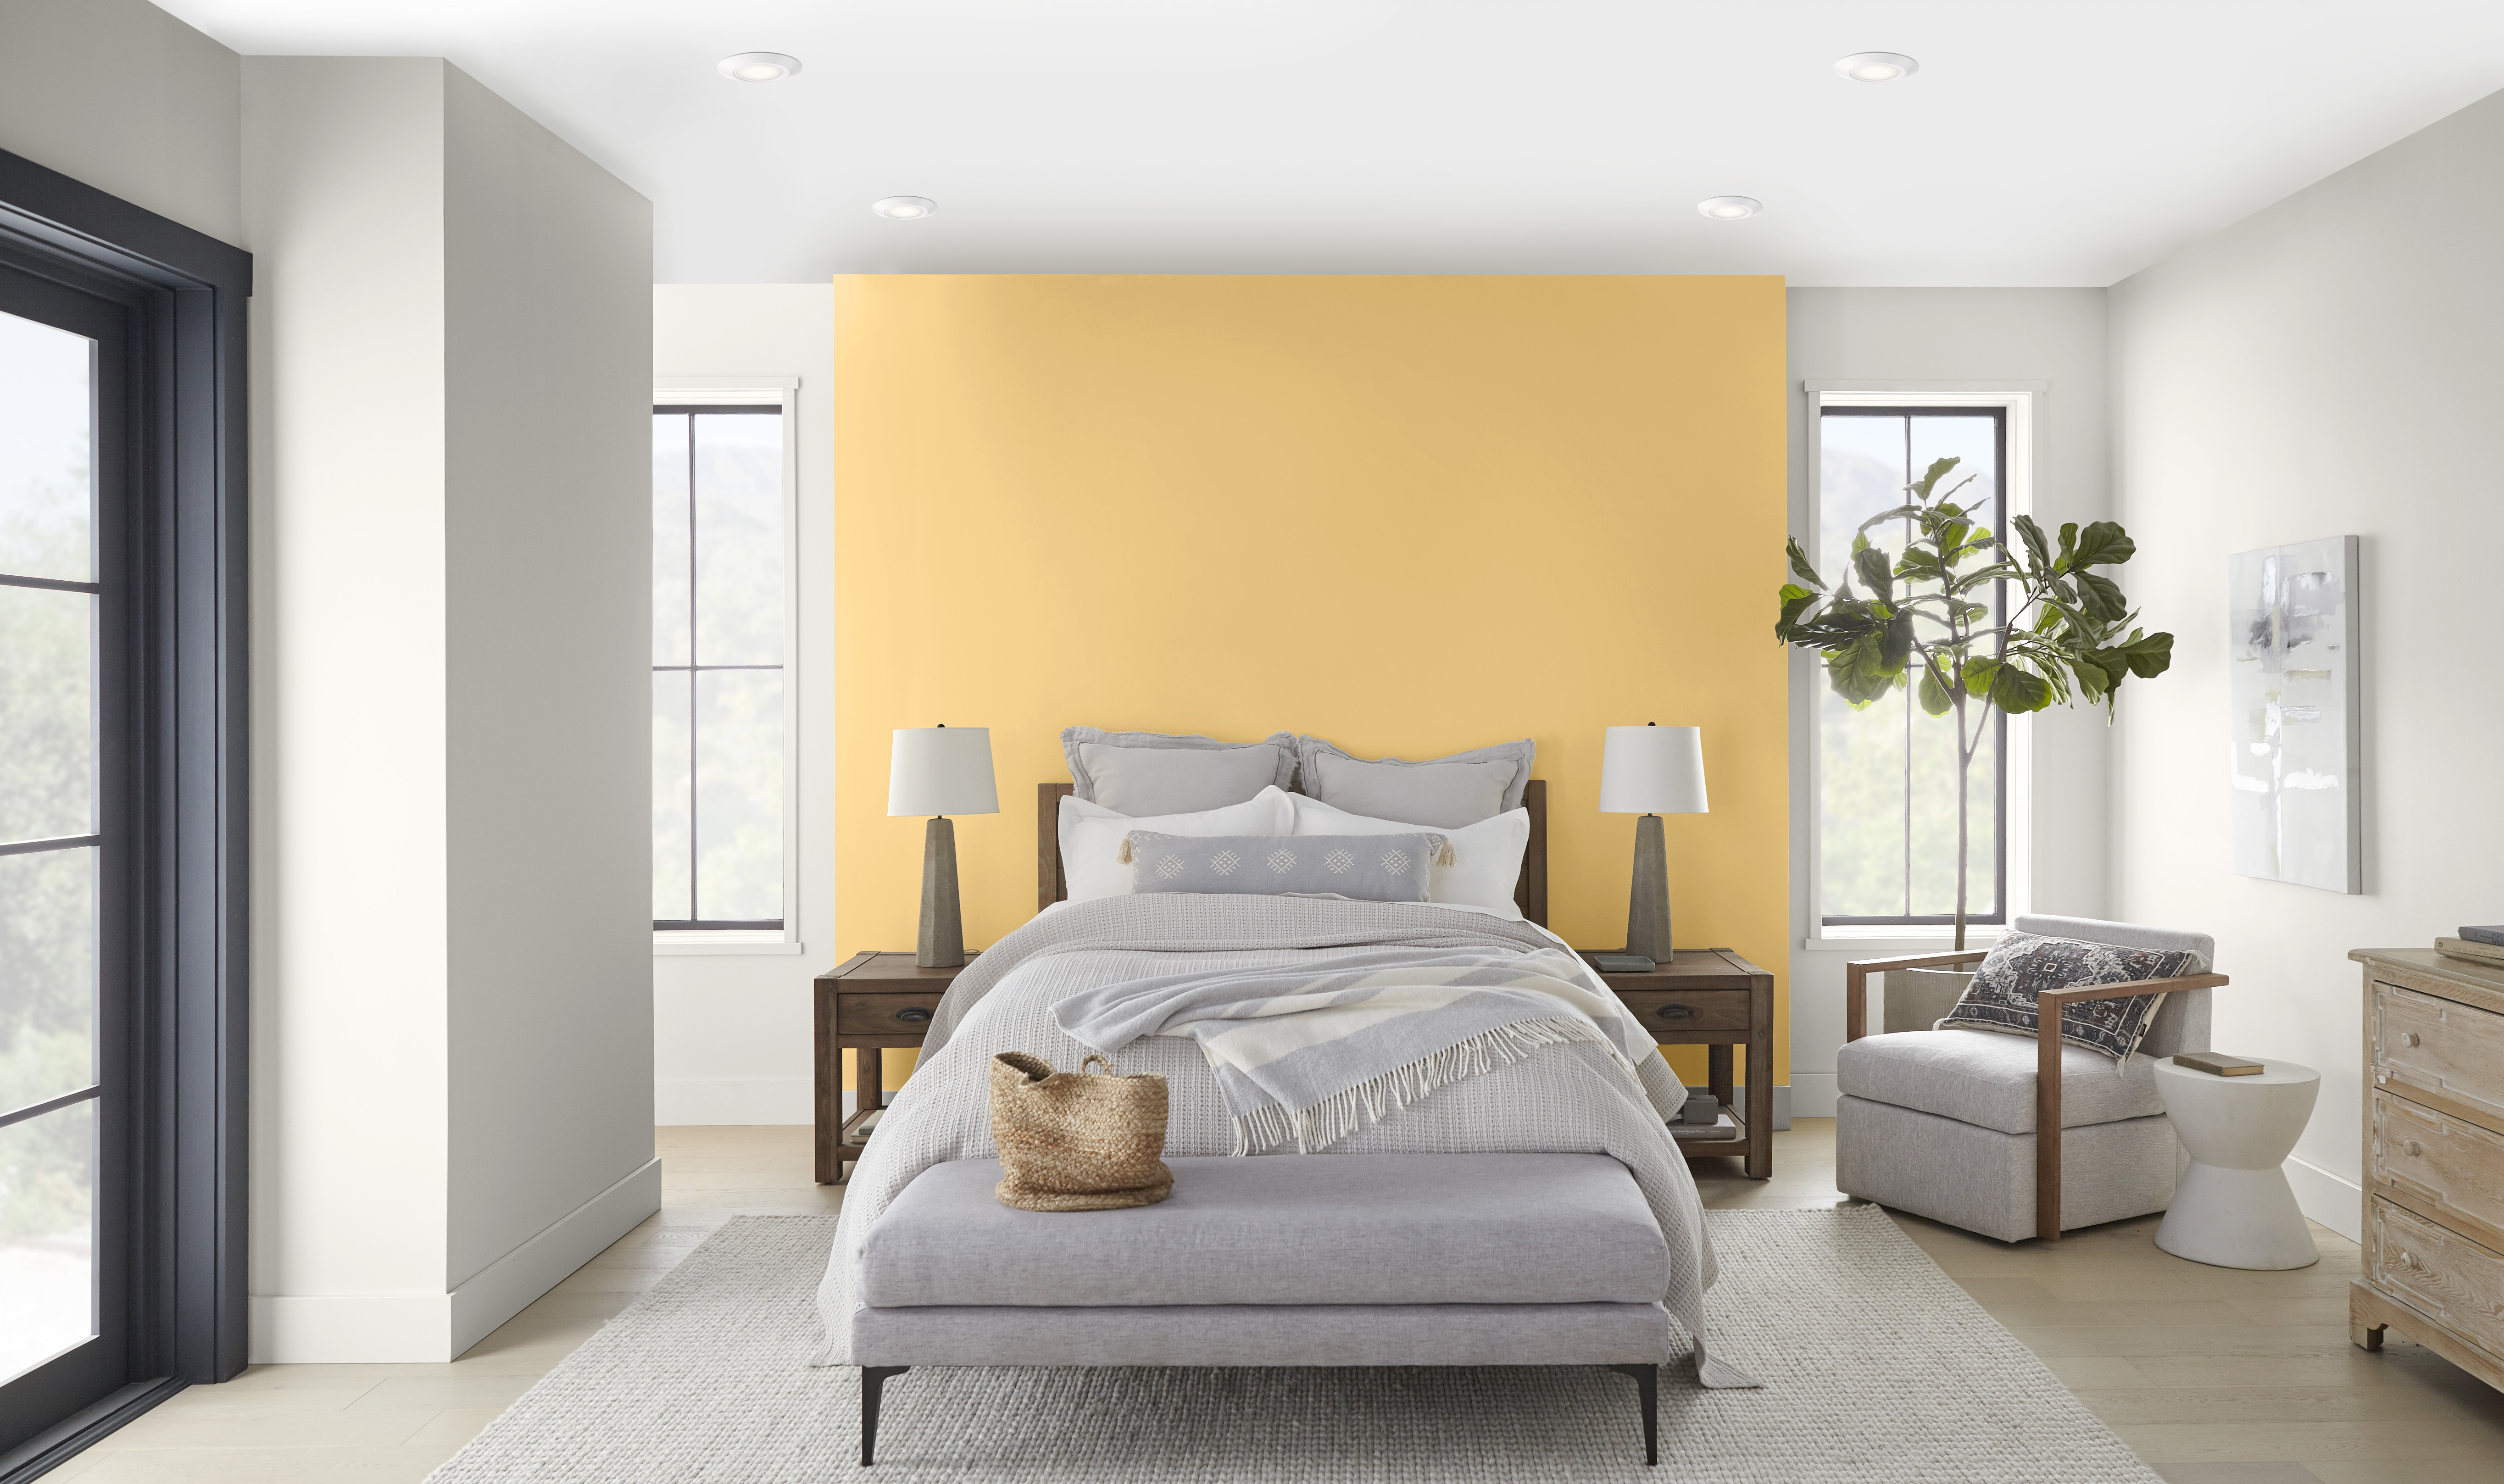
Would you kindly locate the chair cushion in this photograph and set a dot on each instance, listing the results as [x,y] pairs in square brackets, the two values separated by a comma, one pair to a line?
[1283,1229]
[1987,1077]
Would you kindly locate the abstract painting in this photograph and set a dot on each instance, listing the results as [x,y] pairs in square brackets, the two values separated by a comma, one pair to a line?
[2293,680]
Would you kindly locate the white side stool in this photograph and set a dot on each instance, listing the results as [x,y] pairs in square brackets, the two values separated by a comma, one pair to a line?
[2233,1208]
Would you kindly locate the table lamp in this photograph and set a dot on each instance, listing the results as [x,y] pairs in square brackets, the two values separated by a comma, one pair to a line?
[1651,771]
[941,771]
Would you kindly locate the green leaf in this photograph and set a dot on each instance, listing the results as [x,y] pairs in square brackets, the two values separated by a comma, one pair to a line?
[1931,694]
[2017,692]
[1977,675]
[2152,656]
[2103,544]
[1899,513]
[2033,536]
[1796,600]
[1997,571]
[1938,468]
[2069,547]
[2092,682]
[2100,597]
[1799,565]
[1870,561]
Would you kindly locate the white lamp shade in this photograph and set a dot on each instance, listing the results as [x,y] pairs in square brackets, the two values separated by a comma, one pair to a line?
[942,771]
[1652,771]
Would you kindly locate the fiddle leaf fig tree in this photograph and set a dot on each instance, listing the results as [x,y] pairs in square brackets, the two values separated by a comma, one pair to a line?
[1922,617]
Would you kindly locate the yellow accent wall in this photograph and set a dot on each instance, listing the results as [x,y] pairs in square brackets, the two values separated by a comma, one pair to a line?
[1411,516]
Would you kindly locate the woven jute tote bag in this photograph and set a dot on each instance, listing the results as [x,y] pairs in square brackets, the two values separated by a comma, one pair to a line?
[1077,1141]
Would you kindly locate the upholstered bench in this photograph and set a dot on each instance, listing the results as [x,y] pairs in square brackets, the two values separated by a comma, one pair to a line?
[1329,1259]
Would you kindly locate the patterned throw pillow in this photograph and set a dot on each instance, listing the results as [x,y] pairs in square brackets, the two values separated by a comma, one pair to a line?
[1370,868]
[2022,966]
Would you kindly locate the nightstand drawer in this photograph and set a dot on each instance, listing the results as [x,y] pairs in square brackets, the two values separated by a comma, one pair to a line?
[884,1014]
[2439,1052]
[1688,1009]
[2441,1274]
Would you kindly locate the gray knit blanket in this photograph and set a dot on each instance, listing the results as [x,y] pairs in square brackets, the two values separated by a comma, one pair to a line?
[1308,1053]
[1571,1097]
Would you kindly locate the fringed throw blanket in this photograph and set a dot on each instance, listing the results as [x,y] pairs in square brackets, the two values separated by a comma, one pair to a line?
[1305,1055]
[1569,1097]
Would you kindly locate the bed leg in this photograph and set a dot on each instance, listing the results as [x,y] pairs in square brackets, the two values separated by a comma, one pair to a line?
[1648,1383]
[874,1381]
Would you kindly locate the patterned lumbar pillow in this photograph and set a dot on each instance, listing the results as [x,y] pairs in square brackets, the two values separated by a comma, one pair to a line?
[2022,966]
[1368,868]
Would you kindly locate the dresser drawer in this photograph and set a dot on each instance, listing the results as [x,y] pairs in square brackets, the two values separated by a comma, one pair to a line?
[2444,1167]
[1665,1009]
[2439,1052]
[884,1014]
[2445,1276]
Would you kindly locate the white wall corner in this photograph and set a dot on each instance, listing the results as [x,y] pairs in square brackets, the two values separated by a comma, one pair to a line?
[2334,1200]
[511,1284]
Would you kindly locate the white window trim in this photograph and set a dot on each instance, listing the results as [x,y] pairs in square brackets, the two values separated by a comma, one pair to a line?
[735,391]
[2019,398]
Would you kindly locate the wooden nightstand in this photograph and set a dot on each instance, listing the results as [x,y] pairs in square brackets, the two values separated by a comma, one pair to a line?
[869,1003]
[1714,998]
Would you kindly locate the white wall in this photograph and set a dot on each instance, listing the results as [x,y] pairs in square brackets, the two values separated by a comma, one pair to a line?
[2049,340]
[547,560]
[451,588]
[734,1032]
[2327,366]
[125,98]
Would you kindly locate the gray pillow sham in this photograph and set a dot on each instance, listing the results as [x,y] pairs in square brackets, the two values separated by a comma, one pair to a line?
[1368,868]
[1153,772]
[1450,792]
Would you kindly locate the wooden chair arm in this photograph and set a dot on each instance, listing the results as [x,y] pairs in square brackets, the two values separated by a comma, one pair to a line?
[2048,1006]
[1856,983]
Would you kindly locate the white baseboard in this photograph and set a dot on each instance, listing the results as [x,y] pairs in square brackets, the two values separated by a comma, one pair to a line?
[1814,1094]
[1782,1100]
[350,1329]
[2334,1200]
[373,1329]
[680,1100]
[506,1286]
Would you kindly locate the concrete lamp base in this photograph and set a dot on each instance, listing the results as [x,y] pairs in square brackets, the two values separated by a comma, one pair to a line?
[1648,902]
[943,924]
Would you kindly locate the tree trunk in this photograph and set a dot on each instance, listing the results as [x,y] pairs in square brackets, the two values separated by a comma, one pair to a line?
[1965,765]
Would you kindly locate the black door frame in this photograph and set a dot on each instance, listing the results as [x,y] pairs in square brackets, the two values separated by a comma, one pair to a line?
[183,814]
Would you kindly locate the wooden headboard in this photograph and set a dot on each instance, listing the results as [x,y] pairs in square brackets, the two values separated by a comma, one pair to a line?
[1530,893]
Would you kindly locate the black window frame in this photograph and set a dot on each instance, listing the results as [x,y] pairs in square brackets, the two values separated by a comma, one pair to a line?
[1998,917]
[174,714]
[694,668]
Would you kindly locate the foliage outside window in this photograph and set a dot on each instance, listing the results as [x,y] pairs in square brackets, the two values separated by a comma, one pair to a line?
[720,683]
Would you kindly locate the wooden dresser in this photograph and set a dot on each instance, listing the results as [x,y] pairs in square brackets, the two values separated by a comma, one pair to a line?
[2434,1157]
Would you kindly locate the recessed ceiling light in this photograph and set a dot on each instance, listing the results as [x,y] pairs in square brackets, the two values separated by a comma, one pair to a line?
[904,208]
[1877,66]
[759,67]
[1729,208]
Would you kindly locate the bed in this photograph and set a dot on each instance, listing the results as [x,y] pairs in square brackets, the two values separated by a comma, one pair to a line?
[1530,1208]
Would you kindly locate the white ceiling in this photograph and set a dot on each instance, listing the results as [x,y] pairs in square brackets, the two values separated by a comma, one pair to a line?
[2044,142]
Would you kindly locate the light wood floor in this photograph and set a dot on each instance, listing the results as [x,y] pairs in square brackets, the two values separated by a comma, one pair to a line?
[2214,1376]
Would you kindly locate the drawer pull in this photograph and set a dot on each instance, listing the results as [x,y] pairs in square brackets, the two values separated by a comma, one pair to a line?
[2415,1149]
[2408,1039]
[2410,1260]
[913,1014]
[1677,1011]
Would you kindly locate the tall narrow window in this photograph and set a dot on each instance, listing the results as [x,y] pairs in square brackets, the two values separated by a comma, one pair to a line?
[1887,818]
[721,687]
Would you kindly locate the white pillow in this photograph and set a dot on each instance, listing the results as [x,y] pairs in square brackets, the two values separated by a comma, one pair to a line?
[1090,836]
[1486,856]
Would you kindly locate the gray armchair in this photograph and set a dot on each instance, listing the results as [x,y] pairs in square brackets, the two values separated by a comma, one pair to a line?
[2010,1136]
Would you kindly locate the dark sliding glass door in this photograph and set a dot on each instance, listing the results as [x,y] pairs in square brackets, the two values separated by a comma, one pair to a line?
[66,1008]
[121,814]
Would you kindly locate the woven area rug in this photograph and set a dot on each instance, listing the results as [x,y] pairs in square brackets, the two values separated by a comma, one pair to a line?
[1876,1367]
